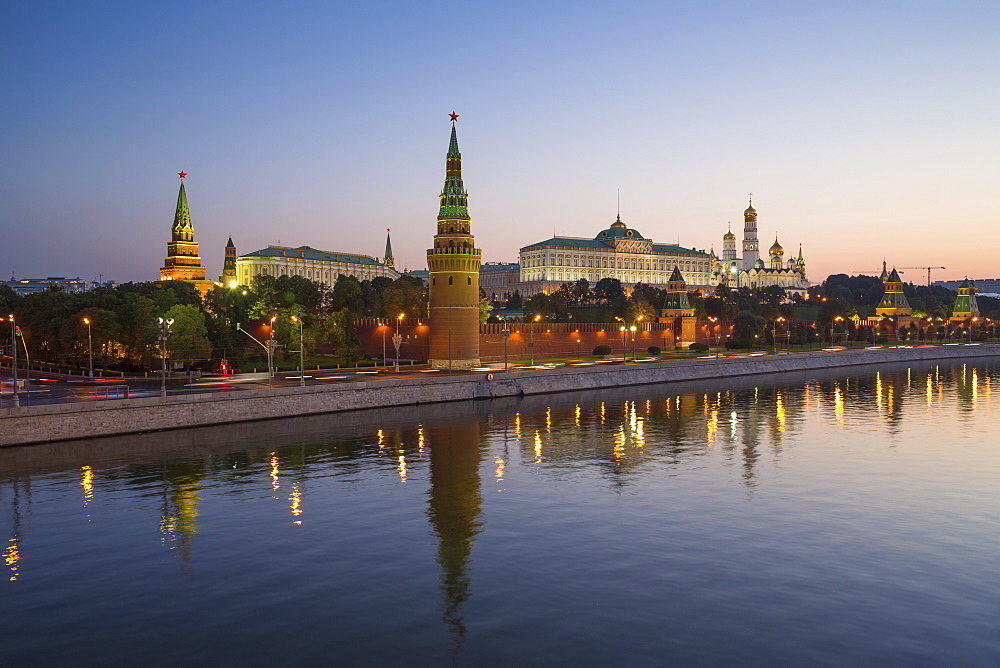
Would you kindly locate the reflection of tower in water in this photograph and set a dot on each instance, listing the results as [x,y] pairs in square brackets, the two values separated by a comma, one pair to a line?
[181,496]
[454,504]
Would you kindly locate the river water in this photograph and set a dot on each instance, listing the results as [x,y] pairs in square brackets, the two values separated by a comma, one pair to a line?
[846,517]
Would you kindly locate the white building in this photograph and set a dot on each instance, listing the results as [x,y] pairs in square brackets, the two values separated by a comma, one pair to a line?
[316,265]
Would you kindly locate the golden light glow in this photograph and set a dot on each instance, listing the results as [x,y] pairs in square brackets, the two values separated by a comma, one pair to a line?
[538,447]
[603,411]
[296,502]
[233,284]
[11,557]
[87,483]
[401,467]
[619,449]
[420,439]
[517,425]
[501,466]
[779,412]
[576,415]
[548,420]
[275,482]
[838,404]
[381,438]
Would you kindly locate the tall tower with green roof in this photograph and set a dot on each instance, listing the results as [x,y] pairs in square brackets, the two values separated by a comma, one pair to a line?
[678,312]
[966,305]
[388,260]
[453,267]
[182,262]
[228,278]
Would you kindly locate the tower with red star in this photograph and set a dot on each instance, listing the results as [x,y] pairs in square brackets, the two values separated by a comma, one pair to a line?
[182,262]
[453,265]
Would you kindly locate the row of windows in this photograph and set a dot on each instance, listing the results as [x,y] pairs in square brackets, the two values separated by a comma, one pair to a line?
[619,263]
[451,280]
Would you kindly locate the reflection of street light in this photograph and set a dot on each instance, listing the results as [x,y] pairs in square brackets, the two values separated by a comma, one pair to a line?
[90,349]
[164,325]
[302,353]
[397,339]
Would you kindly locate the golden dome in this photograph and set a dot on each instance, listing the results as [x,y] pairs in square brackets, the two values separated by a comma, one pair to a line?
[729,236]
[618,222]
[776,248]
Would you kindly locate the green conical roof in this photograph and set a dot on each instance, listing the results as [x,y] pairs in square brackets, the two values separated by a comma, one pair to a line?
[388,260]
[230,244]
[894,277]
[453,151]
[454,198]
[182,216]
[676,275]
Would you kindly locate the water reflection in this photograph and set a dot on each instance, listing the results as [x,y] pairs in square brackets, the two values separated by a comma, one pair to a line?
[743,429]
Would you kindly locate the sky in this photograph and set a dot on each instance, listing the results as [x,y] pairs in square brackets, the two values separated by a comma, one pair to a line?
[864,130]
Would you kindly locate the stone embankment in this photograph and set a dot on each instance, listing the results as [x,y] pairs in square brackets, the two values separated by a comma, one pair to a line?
[56,422]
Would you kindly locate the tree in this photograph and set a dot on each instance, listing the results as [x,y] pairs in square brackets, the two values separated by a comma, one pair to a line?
[485,307]
[581,291]
[137,324]
[404,297]
[341,333]
[609,290]
[347,293]
[188,340]
[104,330]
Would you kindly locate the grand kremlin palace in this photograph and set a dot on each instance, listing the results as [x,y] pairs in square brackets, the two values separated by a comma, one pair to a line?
[616,252]
[317,265]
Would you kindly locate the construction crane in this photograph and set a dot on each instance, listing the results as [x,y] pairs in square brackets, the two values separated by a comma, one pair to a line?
[928,271]
[872,272]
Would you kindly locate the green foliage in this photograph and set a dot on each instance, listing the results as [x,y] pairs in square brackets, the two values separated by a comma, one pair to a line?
[653,350]
[485,307]
[602,349]
[347,294]
[341,333]
[698,346]
[188,342]
[405,295]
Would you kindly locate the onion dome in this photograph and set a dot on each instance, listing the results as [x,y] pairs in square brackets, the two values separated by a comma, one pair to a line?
[750,211]
[776,248]
[729,236]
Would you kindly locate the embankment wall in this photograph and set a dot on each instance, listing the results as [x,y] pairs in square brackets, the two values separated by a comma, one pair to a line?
[55,422]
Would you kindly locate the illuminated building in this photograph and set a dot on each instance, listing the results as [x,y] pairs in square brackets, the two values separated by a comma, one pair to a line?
[894,302]
[316,265]
[750,271]
[966,304]
[619,252]
[182,262]
[453,265]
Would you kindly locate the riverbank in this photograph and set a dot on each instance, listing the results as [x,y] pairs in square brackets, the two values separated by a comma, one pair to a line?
[59,422]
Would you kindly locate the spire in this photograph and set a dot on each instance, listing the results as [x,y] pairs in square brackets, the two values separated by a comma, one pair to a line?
[454,198]
[182,216]
[230,244]
[388,259]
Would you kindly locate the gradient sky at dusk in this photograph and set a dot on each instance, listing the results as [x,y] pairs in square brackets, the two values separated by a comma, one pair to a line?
[863,129]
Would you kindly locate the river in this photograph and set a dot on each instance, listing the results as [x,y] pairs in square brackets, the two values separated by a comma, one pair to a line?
[841,517]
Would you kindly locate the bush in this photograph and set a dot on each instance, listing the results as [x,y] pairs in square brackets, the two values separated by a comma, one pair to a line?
[603,349]
[653,350]
[698,346]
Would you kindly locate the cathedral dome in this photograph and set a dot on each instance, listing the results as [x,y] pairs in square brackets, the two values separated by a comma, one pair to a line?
[750,212]
[729,236]
[776,248]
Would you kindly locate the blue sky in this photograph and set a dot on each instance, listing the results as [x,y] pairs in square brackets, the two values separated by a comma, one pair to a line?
[864,130]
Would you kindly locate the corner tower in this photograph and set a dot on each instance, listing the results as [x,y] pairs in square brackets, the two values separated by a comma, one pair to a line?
[453,267]
[388,260]
[228,278]
[182,262]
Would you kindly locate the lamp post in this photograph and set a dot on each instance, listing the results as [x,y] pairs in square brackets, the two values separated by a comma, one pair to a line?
[774,332]
[713,320]
[302,353]
[397,339]
[624,346]
[90,349]
[13,355]
[164,326]
[531,339]
[267,349]
[632,329]
[506,335]
[578,357]
[972,324]
[837,320]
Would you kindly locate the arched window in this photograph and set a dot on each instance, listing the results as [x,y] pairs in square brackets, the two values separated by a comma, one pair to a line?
[470,280]
[434,281]
[451,280]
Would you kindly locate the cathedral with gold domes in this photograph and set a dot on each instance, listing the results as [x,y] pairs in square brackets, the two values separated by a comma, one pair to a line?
[750,270]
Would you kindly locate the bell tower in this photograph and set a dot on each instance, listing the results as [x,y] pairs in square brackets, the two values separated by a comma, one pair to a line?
[453,267]
[751,247]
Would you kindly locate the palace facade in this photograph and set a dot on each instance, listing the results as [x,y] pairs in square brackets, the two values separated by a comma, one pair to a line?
[317,265]
[616,252]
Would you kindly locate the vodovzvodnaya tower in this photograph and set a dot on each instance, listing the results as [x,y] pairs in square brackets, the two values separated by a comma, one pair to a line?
[453,265]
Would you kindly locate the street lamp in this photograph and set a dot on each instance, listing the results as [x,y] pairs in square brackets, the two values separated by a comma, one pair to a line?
[164,326]
[531,340]
[13,354]
[397,339]
[632,329]
[506,335]
[713,320]
[624,346]
[269,349]
[972,323]
[90,349]
[302,353]
[774,332]
[840,319]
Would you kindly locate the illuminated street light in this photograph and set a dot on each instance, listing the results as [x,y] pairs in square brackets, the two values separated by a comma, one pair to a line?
[397,339]
[164,326]
[13,353]
[624,346]
[90,349]
[302,353]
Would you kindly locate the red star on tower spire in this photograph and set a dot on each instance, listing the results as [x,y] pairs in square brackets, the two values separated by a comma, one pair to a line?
[182,175]
[454,116]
